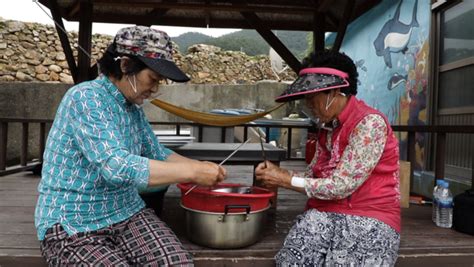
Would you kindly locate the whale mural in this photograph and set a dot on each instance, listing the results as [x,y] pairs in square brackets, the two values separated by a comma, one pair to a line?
[396,80]
[395,35]
[393,72]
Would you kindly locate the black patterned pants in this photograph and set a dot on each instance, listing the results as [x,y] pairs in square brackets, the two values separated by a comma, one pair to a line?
[332,239]
[142,240]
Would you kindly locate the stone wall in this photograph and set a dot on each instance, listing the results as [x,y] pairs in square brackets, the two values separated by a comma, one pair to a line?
[31,52]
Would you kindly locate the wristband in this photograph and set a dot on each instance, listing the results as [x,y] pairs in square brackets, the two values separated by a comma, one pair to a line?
[297,181]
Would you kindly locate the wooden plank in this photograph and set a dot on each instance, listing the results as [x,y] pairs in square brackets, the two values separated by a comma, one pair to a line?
[419,237]
[21,261]
[13,228]
[18,241]
[17,214]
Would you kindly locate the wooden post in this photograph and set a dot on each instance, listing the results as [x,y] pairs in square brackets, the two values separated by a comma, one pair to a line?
[411,152]
[246,133]
[440,154]
[288,152]
[24,144]
[472,171]
[223,131]
[42,140]
[200,131]
[319,26]
[85,37]
[341,31]
[267,134]
[3,145]
[178,130]
[63,38]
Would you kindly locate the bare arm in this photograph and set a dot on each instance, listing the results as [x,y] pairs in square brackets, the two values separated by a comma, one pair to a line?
[274,176]
[179,169]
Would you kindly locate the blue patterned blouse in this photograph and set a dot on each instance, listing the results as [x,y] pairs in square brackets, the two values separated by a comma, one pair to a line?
[96,160]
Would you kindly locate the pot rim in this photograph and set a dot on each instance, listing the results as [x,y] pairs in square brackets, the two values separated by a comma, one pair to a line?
[222,213]
[199,191]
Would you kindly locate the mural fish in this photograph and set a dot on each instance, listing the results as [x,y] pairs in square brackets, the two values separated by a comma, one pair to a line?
[360,64]
[394,36]
[396,80]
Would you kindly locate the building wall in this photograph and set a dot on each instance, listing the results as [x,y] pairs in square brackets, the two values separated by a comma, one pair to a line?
[390,46]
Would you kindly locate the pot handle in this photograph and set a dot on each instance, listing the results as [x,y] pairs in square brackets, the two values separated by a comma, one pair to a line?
[229,207]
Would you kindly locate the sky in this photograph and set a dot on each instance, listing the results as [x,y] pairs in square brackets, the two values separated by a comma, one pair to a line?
[29,11]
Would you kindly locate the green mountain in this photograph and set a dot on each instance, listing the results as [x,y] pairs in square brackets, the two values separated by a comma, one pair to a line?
[247,41]
[188,39]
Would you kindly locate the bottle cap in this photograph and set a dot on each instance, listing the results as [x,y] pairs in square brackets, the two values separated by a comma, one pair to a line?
[446,184]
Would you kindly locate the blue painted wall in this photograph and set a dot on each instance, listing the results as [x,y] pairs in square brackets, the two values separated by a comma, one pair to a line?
[390,45]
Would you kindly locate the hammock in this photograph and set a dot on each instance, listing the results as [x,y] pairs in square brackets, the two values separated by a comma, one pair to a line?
[211,119]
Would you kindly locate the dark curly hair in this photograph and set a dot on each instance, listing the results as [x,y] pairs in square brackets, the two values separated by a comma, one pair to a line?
[111,67]
[336,60]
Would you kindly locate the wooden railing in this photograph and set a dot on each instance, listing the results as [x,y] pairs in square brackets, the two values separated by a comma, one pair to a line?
[439,130]
[440,148]
[25,164]
[29,165]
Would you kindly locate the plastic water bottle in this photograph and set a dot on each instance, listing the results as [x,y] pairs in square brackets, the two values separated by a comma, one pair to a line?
[435,199]
[445,207]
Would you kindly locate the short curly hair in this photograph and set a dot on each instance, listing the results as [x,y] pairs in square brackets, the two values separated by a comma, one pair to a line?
[337,60]
[110,66]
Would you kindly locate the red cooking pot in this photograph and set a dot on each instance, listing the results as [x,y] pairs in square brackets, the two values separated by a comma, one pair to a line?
[216,198]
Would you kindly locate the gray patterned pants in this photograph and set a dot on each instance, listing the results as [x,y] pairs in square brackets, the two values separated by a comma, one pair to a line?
[332,239]
[142,240]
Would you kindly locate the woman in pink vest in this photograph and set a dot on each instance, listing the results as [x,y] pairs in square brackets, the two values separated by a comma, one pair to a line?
[353,211]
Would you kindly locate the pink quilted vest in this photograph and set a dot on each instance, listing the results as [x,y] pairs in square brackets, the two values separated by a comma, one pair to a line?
[379,196]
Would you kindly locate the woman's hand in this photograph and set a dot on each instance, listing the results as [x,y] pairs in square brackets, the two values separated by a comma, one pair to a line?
[272,175]
[208,173]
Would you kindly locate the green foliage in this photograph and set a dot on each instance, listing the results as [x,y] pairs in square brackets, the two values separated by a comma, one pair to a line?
[247,41]
[188,39]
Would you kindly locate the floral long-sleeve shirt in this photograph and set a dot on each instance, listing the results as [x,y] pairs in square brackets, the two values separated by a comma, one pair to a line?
[361,155]
[96,157]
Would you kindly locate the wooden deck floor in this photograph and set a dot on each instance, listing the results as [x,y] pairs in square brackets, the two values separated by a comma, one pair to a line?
[422,243]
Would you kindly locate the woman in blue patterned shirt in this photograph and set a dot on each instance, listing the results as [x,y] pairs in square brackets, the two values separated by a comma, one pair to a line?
[101,151]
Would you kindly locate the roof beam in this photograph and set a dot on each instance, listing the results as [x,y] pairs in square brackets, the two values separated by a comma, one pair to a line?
[272,40]
[74,9]
[200,22]
[213,6]
[343,25]
[153,16]
[58,23]
[324,5]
